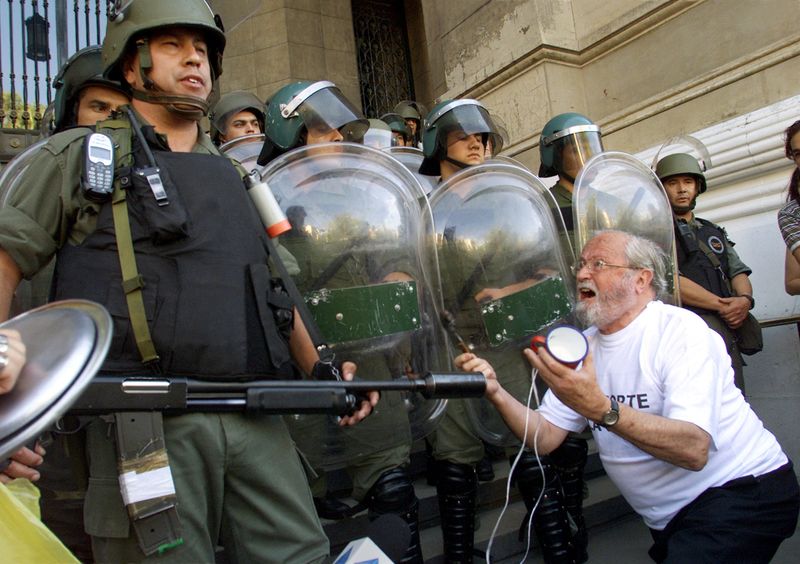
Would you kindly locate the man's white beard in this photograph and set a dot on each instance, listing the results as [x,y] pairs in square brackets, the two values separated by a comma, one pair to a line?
[607,308]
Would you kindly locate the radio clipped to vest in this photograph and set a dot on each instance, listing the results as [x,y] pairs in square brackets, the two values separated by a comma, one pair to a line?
[97,180]
[150,173]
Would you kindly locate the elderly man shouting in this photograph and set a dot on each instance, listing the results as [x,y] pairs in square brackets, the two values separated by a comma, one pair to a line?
[674,433]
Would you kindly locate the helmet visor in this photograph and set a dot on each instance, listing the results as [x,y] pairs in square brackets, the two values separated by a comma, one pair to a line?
[379,138]
[468,120]
[328,109]
[573,151]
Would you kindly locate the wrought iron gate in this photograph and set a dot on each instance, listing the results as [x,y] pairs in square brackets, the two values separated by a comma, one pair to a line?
[36,39]
[384,61]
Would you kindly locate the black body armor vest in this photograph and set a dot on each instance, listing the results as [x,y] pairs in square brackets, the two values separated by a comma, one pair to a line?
[208,293]
[695,265]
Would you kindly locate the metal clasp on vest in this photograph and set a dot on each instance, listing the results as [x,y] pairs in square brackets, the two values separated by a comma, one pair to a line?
[153,177]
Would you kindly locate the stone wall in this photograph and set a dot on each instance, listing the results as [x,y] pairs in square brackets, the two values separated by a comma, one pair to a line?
[644,70]
[274,42]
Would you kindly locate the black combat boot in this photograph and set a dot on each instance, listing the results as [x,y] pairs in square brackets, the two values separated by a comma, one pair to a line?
[393,492]
[457,490]
[551,519]
[569,462]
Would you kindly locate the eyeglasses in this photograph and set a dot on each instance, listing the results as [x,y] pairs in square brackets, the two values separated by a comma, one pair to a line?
[596,265]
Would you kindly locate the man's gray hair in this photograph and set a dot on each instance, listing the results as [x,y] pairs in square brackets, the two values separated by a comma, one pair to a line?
[644,253]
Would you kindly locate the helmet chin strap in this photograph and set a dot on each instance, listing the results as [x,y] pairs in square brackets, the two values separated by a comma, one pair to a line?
[186,107]
[566,176]
[681,210]
[452,161]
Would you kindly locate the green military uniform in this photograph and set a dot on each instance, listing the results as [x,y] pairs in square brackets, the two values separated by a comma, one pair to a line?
[562,195]
[238,478]
[563,199]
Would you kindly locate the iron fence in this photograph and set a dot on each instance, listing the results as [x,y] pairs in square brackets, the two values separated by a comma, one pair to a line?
[36,39]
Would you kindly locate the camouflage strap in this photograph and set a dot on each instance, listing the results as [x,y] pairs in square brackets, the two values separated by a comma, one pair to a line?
[132,281]
[154,519]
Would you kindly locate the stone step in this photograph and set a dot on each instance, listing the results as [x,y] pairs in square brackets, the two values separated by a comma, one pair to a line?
[604,505]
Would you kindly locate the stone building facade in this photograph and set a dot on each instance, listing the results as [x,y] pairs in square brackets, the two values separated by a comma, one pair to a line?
[644,70]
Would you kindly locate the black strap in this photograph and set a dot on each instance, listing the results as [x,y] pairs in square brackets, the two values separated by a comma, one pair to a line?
[686,231]
[325,353]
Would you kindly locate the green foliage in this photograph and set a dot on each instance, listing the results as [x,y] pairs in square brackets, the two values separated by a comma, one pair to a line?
[22,112]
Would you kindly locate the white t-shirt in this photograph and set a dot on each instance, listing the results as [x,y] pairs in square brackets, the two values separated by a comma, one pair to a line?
[668,362]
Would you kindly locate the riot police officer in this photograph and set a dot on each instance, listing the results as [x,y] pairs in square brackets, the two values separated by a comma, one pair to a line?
[235,115]
[413,113]
[186,305]
[400,129]
[714,282]
[377,452]
[83,95]
[567,141]
[455,138]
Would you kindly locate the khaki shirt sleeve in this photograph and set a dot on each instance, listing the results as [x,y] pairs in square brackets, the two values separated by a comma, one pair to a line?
[46,211]
[735,264]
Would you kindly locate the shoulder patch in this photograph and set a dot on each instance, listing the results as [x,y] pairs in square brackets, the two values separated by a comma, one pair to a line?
[716,244]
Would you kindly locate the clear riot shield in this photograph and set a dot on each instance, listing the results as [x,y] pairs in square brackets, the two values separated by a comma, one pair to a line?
[66,343]
[504,275]
[615,190]
[412,158]
[507,160]
[357,235]
[244,150]
[34,292]
[11,175]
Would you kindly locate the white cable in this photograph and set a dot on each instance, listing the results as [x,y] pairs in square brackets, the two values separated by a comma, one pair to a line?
[531,392]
